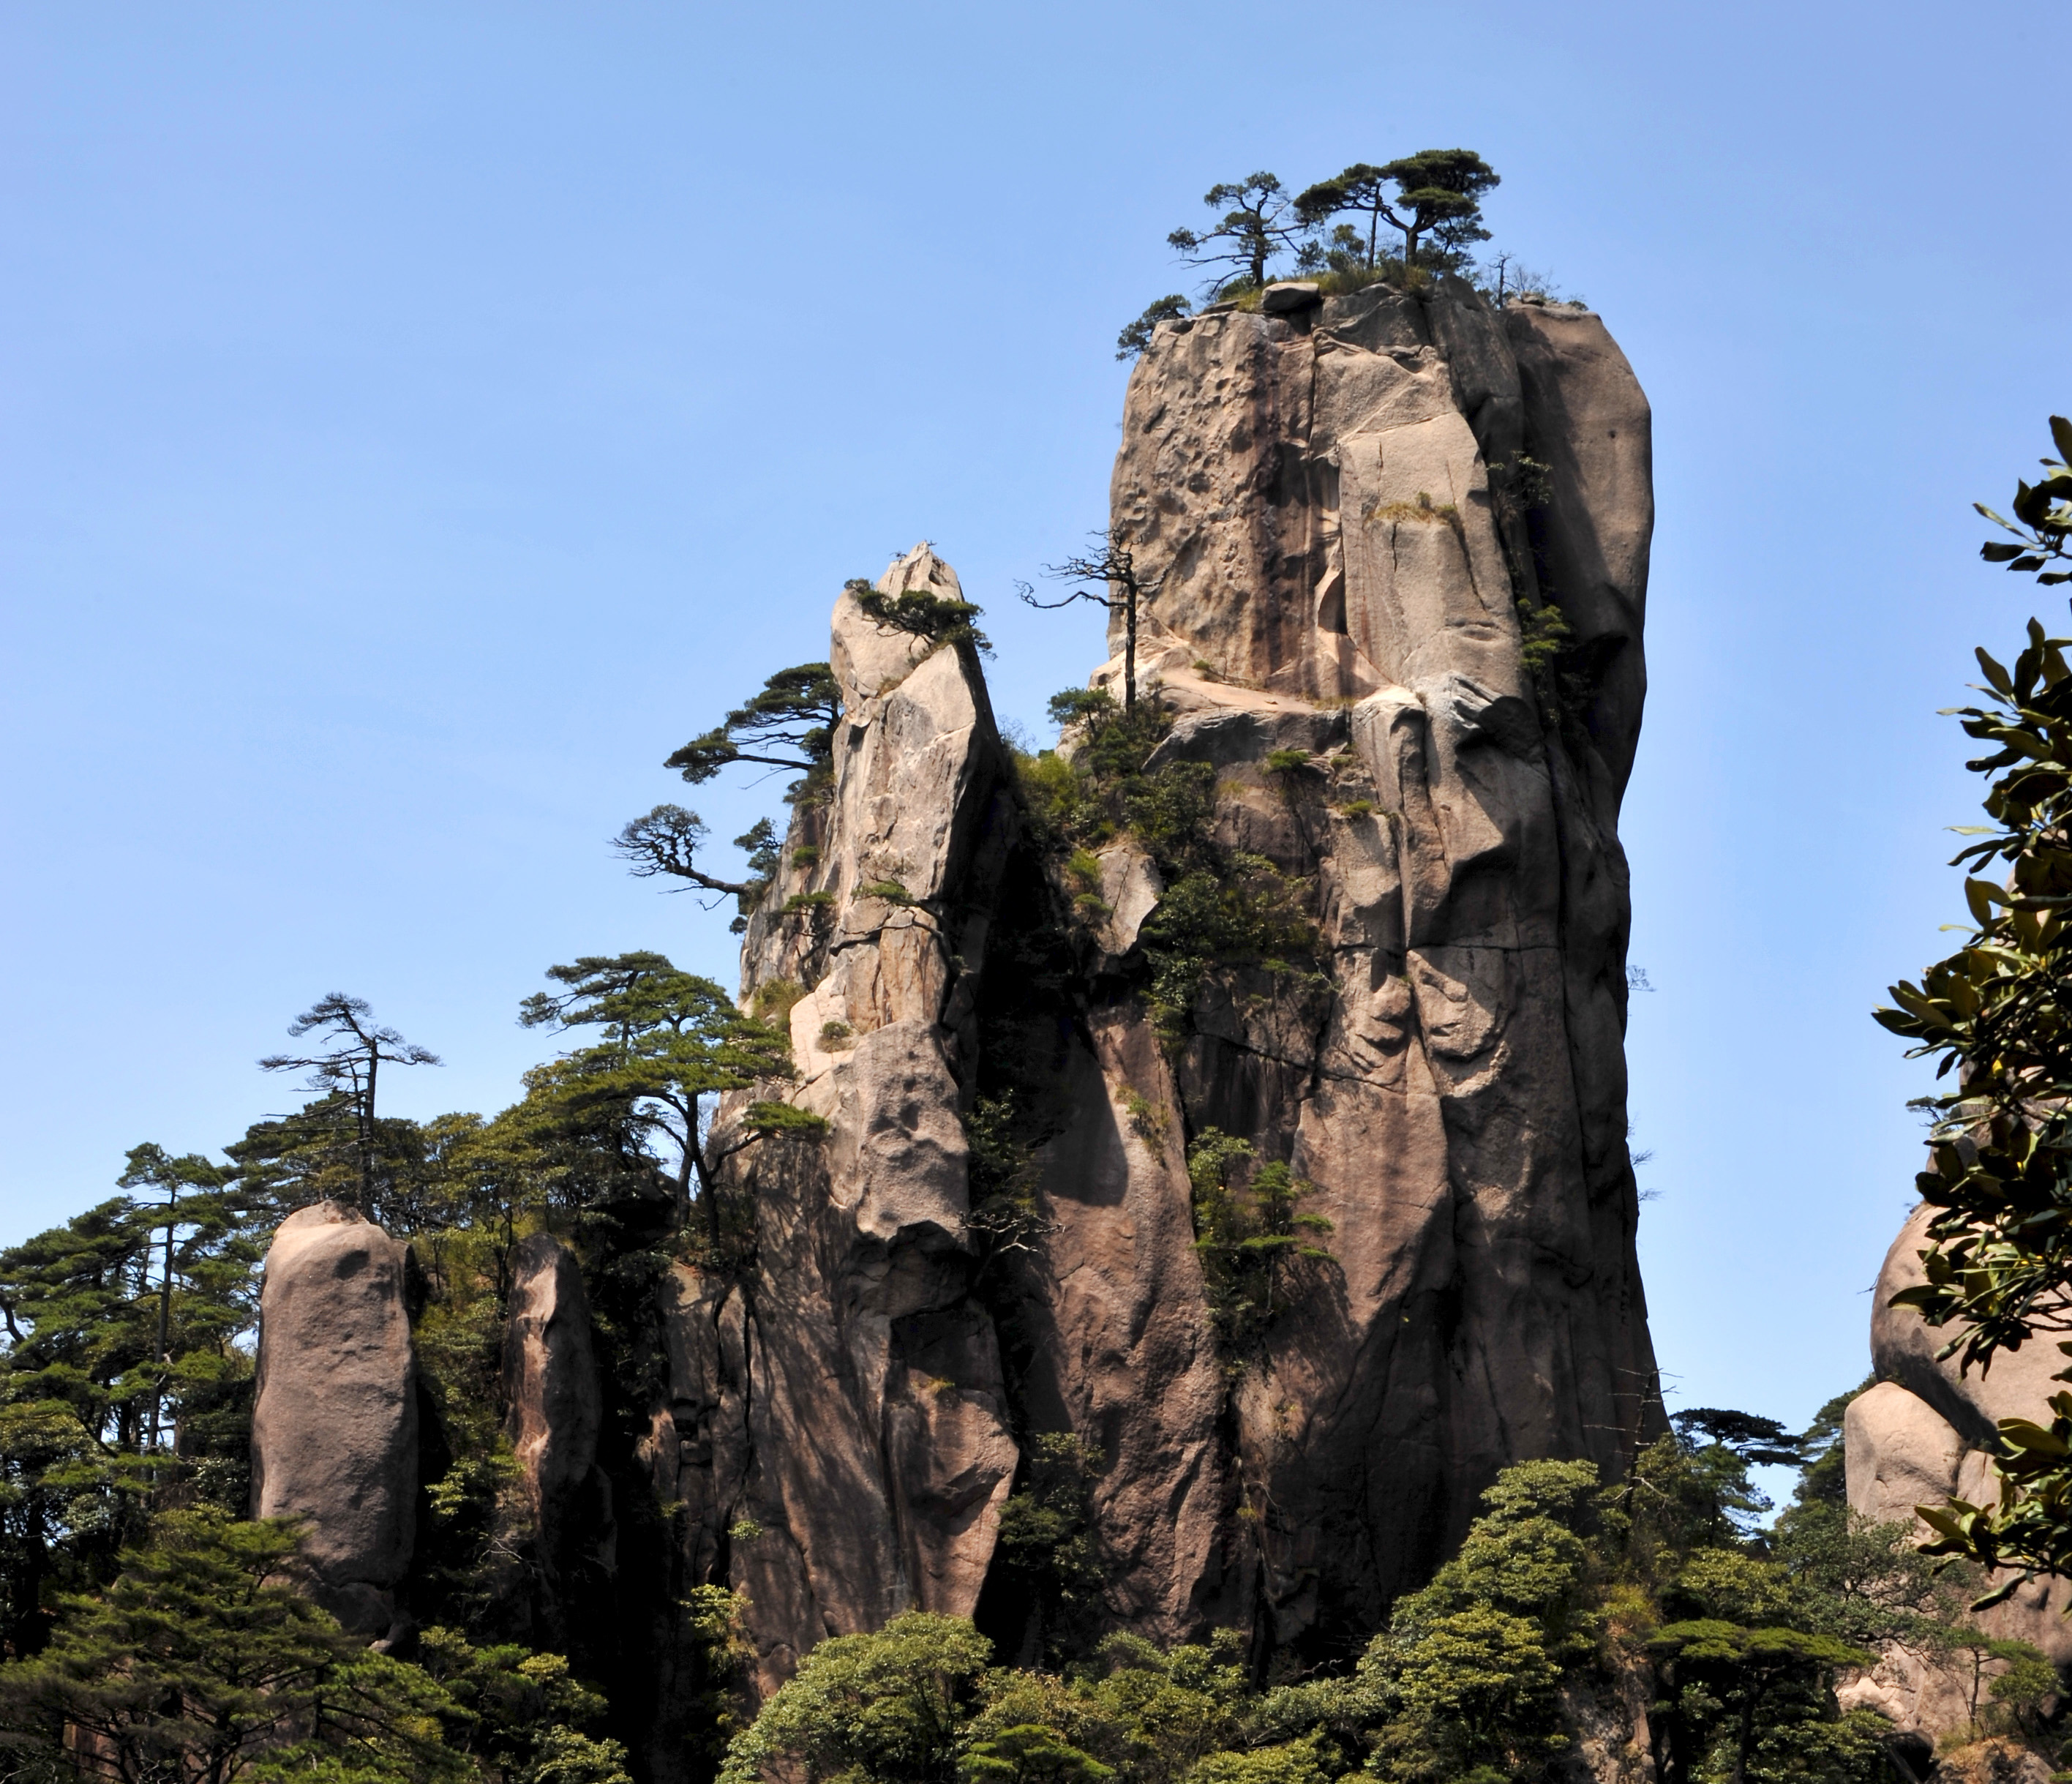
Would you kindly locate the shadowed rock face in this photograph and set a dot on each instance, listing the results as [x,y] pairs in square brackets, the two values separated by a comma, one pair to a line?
[335,1423]
[553,1404]
[1347,507]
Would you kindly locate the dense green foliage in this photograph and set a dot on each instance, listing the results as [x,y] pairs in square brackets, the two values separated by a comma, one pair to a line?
[200,1663]
[103,1345]
[667,1040]
[1565,1592]
[1253,1241]
[1994,1015]
[125,1383]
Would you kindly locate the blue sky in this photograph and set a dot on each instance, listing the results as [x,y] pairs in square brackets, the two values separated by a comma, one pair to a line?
[415,421]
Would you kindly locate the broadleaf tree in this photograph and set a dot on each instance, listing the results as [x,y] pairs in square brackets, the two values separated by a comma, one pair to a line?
[1998,1267]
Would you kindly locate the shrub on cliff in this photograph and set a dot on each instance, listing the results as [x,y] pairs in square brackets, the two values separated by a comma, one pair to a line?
[1221,908]
[1254,1243]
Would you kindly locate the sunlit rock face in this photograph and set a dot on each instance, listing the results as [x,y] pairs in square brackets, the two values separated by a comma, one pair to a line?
[838,1425]
[1347,506]
[1344,509]
[334,1422]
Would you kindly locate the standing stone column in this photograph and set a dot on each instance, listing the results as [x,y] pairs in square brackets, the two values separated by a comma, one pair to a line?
[334,1423]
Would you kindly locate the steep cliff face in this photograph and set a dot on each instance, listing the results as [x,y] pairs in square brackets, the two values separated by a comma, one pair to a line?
[838,1429]
[553,1400]
[1356,510]
[1347,507]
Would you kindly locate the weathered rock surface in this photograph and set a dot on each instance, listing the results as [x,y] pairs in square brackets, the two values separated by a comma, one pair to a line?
[837,1428]
[1348,502]
[1342,508]
[1903,1349]
[1899,1452]
[1355,504]
[334,1422]
[552,1397]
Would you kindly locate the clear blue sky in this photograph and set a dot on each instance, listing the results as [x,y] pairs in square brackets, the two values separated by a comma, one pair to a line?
[416,421]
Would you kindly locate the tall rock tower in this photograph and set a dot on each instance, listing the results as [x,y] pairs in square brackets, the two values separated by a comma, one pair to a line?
[1402,544]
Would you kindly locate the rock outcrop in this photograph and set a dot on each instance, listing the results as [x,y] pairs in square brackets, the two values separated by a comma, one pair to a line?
[1401,545]
[1926,1433]
[1356,508]
[334,1422]
[838,1426]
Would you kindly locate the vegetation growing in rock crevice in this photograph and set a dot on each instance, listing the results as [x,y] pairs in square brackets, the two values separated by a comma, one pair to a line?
[1220,908]
[1255,1245]
[939,619]
[198,1662]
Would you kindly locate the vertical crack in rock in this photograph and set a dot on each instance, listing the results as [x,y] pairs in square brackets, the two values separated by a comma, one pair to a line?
[874,1446]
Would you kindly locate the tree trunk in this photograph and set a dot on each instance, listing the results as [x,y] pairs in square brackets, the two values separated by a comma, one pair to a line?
[164,1316]
[366,1137]
[694,1159]
[1130,651]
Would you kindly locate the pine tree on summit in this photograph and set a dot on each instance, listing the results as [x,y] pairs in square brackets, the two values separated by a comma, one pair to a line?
[1436,193]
